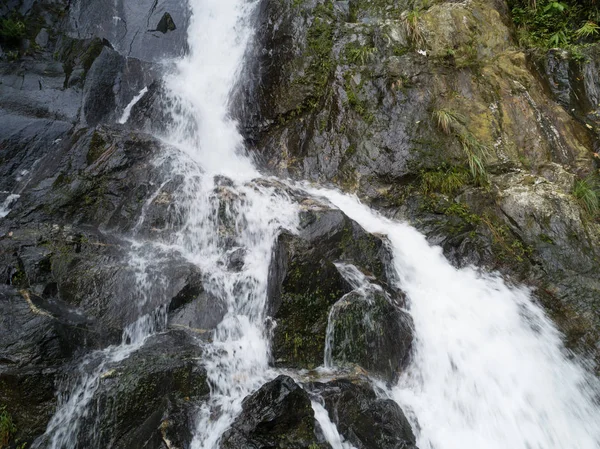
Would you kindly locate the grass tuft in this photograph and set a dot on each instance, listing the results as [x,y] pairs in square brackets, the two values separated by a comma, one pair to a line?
[587,192]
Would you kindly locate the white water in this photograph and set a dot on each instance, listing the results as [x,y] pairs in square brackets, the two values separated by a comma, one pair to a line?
[7,204]
[129,107]
[330,431]
[489,370]
[77,393]
[236,216]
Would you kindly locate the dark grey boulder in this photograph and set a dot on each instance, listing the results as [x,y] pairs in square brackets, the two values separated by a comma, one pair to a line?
[304,282]
[278,416]
[371,331]
[362,418]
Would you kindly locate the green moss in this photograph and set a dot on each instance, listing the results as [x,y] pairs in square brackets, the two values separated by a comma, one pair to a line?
[91,53]
[319,47]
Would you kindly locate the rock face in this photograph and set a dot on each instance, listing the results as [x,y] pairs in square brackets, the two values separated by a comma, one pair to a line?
[432,115]
[435,115]
[279,415]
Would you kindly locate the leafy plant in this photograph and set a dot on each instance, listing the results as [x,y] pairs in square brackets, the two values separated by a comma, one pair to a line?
[446,180]
[547,23]
[12,29]
[587,192]
[451,122]
[555,7]
[588,29]
[476,153]
[558,39]
[7,427]
[360,54]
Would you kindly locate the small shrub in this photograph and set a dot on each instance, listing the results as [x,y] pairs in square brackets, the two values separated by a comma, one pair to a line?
[360,55]
[448,121]
[477,153]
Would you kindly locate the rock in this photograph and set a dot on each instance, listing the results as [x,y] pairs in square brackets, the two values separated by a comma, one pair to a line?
[99,96]
[42,38]
[278,415]
[150,113]
[36,338]
[195,309]
[131,28]
[166,24]
[148,397]
[304,282]
[362,418]
[367,329]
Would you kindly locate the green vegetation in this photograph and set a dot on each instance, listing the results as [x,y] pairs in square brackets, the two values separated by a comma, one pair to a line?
[97,147]
[547,23]
[446,180]
[413,28]
[587,192]
[12,29]
[358,105]
[453,123]
[7,427]
[319,46]
[356,53]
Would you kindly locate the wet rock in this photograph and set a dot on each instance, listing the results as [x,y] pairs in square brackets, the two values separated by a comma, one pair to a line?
[364,419]
[99,96]
[36,338]
[367,329]
[151,112]
[278,415]
[132,28]
[148,397]
[195,309]
[305,283]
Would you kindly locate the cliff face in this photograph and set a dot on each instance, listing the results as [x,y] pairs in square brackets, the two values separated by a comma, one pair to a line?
[432,114]
[435,115]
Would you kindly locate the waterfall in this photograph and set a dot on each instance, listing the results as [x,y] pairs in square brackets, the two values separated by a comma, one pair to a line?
[488,371]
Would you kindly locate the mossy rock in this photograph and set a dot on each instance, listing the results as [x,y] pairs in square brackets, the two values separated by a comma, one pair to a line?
[368,330]
[305,282]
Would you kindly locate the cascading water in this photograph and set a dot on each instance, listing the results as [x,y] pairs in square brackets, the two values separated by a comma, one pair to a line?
[488,370]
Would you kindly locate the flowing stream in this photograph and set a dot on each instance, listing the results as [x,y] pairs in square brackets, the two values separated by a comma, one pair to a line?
[488,370]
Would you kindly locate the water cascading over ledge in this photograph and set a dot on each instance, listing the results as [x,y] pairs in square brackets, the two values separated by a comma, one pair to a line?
[202,303]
